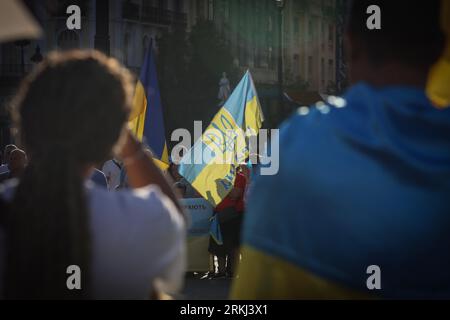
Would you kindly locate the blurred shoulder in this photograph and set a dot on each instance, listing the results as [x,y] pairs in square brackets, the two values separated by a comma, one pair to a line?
[146,205]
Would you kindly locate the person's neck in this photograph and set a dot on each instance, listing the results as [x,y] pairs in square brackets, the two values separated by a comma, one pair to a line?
[393,74]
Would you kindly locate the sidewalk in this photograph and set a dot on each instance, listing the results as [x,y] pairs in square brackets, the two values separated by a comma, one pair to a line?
[196,289]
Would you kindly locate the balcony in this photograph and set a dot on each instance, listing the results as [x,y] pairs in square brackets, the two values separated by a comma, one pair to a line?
[150,14]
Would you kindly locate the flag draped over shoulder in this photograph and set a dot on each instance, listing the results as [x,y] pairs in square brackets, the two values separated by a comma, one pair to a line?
[146,118]
[210,165]
[439,76]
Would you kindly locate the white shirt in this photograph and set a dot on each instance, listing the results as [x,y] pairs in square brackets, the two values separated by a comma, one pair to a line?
[138,242]
[112,173]
[4,168]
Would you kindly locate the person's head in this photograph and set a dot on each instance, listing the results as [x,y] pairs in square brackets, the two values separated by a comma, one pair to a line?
[17,161]
[7,152]
[70,114]
[403,50]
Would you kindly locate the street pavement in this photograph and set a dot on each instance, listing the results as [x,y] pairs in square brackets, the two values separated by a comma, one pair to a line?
[198,289]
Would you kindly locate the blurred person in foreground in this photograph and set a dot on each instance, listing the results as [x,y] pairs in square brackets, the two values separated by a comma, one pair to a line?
[364,179]
[127,244]
[16,166]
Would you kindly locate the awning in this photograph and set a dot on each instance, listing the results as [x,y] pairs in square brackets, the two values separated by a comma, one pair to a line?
[16,22]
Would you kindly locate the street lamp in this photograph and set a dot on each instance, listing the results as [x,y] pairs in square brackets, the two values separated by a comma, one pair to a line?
[37,56]
[280,5]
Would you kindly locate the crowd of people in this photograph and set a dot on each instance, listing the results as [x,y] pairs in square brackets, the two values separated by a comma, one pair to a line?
[112,176]
[364,180]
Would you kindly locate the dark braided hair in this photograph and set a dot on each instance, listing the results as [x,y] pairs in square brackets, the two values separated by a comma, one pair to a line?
[70,114]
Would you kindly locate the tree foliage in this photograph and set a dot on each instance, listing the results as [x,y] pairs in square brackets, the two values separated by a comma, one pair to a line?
[190,67]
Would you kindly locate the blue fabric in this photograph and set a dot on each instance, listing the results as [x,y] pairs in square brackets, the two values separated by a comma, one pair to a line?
[366,184]
[98,177]
[154,131]
[214,230]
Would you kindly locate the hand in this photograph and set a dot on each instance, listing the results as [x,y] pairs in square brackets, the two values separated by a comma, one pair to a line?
[130,145]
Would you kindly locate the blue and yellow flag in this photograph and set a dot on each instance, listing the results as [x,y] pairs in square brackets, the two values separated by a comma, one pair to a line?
[210,165]
[146,118]
[439,76]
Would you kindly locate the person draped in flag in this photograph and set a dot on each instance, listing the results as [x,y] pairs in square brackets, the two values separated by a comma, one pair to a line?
[360,205]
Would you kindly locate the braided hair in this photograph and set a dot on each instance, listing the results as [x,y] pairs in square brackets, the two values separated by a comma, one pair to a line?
[70,114]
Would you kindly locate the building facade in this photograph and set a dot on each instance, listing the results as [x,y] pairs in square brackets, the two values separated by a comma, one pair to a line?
[132,26]
[309,38]
[251,27]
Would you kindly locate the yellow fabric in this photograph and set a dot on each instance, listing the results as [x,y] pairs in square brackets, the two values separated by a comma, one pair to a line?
[161,165]
[139,102]
[253,115]
[261,276]
[165,156]
[208,182]
[137,116]
[438,86]
[137,121]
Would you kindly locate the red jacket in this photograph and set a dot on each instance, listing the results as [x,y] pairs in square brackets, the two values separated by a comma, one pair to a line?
[239,182]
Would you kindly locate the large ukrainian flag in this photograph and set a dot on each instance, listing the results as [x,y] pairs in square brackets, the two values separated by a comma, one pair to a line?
[224,139]
[146,118]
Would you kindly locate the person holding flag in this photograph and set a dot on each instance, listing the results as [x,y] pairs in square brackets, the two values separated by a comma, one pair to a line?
[212,168]
[212,163]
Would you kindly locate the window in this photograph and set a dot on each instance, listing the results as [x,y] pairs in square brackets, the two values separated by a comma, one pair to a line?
[242,55]
[257,57]
[310,30]
[200,9]
[330,69]
[126,44]
[271,58]
[324,31]
[178,5]
[226,8]
[11,59]
[163,4]
[68,39]
[296,26]
[210,10]
[330,33]
[296,64]
[330,37]
[322,71]
[310,67]
[145,43]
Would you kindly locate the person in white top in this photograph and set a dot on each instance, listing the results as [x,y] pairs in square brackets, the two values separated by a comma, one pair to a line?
[111,169]
[128,244]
